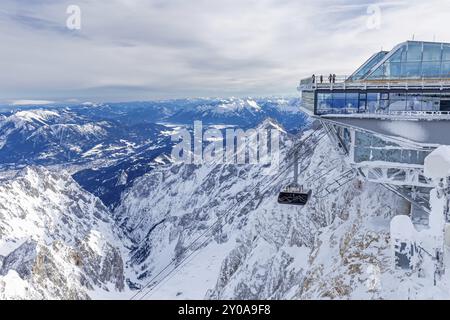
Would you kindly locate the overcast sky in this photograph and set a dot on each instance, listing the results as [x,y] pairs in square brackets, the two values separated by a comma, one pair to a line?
[152,49]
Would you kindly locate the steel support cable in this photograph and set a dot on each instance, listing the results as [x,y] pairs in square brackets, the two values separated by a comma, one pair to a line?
[337,181]
[320,174]
[216,223]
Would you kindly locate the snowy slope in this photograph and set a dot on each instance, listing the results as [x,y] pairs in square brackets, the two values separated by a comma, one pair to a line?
[56,240]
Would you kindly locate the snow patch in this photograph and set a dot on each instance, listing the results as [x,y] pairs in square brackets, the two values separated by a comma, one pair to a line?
[437,164]
[36,115]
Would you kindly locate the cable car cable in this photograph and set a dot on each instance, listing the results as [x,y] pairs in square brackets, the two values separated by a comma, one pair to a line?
[185,261]
[174,260]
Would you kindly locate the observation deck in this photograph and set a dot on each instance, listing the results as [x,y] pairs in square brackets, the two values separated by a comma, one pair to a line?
[389,115]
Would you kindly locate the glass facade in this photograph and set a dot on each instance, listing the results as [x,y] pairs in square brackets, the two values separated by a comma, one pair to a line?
[412,60]
[369,147]
[415,60]
[368,65]
[381,102]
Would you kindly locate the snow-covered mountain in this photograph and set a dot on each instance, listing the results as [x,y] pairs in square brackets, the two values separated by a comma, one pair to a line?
[104,143]
[63,136]
[245,113]
[337,247]
[263,250]
[56,240]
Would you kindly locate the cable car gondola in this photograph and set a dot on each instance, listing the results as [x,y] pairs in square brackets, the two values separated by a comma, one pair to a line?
[294,194]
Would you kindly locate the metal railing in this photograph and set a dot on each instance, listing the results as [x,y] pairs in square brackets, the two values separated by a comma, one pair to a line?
[323,79]
[343,82]
[354,112]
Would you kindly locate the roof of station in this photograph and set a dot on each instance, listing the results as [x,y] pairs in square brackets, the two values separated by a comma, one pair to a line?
[408,60]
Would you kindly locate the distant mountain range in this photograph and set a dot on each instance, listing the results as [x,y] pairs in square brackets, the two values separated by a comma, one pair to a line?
[107,146]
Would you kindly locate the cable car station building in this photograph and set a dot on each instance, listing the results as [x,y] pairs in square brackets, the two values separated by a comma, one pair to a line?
[389,115]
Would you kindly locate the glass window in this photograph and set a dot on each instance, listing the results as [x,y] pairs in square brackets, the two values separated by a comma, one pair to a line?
[324,101]
[446,53]
[338,100]
[394,155]
[347,139]
[394,69]
[431,102]
[421,155]
[377,155]
[445,73]
[414,51]
[397,102]
[376,141]
[412,70]
[373,101]
[397,56]
[363,96]
[362,106]
[362,154]
[352,100]
[373,96]
[432,52]
[379,73]
[405,156]
[431,69]
[384,96]
[384,106]
[363,139]
[409,156]
[368,65]
[414,102]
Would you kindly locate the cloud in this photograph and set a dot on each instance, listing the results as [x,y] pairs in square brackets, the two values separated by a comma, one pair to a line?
[144,49]
[31,102]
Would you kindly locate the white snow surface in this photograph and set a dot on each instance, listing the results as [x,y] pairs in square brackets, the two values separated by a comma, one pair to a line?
[437,164]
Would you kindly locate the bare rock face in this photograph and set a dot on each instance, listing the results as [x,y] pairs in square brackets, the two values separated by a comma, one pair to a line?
[57,240]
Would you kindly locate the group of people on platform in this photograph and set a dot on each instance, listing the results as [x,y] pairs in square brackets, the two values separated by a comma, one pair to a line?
[331,78]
